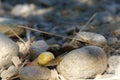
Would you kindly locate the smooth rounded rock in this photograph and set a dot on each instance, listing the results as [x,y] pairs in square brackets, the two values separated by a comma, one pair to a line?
[8,49]
[85,62]
[92,38]
[6,24]
[34,73]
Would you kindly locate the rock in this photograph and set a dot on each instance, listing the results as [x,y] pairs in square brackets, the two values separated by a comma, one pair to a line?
[7,23]
[112,40]
[92,38]
[107,29]
[54,75]
[82,63]
[117,32]
[104,17]
[117,70]
[34,73]
[44,11]
[37,47]
[110,77]
[8,49]
[114,62]
[24,10]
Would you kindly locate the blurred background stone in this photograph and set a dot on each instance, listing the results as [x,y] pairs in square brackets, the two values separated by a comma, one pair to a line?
[6,24]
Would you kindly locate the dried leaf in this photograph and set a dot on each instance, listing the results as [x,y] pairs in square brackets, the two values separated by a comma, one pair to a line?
[24,48]
[16,61]
[10,72]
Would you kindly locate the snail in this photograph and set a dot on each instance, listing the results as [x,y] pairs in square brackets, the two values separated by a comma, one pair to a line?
[82,63]
[8,49]
[45,57]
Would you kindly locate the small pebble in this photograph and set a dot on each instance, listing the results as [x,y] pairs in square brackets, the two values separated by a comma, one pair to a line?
[37,47]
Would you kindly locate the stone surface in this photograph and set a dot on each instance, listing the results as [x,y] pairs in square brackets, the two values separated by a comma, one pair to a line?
[8,49]
[117,70]
[83,63]
[24,10]
[34,73]
[112,40]
[110,77]
[37,47]
[114,62]
[6,24]
[92,38]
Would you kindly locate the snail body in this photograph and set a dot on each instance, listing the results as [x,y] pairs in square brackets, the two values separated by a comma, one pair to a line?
[45,57]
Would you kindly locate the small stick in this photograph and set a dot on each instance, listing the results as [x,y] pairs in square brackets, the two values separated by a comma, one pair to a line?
[88,22]
[16,35]
[84,26]
[44,32]
[53,34]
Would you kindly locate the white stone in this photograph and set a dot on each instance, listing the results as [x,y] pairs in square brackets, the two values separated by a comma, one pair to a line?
[93,38]
[114,62]
[8,49]
[83,63]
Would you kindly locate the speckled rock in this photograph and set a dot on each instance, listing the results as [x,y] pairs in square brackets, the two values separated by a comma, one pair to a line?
[83,63]
[8,49]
